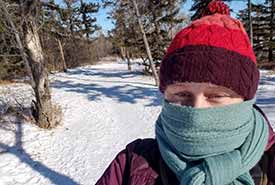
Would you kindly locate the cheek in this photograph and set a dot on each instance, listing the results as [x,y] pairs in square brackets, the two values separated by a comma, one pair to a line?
[236,100]
[174,99]
[167,96]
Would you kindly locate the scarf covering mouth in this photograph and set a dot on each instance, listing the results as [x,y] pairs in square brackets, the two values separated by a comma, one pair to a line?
[211,146]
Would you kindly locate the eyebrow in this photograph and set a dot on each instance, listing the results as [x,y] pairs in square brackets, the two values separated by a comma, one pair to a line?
[213,89]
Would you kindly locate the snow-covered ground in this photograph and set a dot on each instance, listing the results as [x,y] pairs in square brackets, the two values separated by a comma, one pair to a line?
[105,107]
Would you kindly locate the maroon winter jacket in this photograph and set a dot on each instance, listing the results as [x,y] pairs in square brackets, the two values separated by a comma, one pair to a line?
[140,163]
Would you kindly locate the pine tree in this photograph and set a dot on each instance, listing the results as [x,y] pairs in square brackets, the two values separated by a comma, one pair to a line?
[87,22]
[271,30]
[70,28]
[263,29]
[159,20]
[75,18]
[163,18]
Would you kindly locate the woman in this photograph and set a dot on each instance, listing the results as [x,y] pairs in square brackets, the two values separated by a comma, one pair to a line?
[209,130]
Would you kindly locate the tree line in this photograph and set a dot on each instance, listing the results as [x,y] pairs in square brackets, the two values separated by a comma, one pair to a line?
[68,34]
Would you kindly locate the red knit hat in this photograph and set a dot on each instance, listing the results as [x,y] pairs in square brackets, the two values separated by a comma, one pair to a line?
[214,48]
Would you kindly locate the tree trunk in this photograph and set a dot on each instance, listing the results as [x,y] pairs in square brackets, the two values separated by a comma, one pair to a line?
[64,66]
[270,50]
[43,112]
[146,43]
[250,22]
[128,61]
[122,52]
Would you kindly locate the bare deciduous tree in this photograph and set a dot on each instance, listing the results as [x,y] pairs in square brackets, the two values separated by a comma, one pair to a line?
[28,42]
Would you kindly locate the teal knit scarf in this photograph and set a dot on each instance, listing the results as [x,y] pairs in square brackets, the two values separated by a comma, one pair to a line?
[211,146]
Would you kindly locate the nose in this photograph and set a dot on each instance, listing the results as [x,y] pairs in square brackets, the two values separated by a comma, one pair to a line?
[199,101]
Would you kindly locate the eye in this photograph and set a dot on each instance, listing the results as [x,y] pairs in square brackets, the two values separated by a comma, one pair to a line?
[183,94]
[218,96]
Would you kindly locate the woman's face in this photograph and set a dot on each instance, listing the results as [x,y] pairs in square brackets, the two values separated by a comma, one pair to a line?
[201,95]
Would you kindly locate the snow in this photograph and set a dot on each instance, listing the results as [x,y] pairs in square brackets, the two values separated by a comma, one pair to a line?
[266,95]
[104,108]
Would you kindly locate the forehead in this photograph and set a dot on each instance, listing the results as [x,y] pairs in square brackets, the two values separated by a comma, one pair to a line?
[193,86]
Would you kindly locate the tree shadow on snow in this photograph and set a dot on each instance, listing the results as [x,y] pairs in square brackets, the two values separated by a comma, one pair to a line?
[266,101]
[73,78]
[261,99]
[265,80]
[124,91]
[127,92]
[104,73]
[18,151]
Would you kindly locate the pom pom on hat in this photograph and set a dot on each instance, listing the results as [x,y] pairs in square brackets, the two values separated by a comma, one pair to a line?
[216,6]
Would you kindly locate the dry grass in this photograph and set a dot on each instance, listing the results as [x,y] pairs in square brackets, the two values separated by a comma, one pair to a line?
[266,65]
[25,115]
[9,82]
[6,82]
[272,72]
[57,116]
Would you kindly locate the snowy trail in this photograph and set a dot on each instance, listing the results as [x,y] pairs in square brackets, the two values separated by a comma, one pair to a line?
[105,107]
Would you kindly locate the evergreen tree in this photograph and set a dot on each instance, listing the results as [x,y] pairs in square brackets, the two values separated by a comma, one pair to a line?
[74,18]
[263,29]
[87,21]
[163,18]
[159,20]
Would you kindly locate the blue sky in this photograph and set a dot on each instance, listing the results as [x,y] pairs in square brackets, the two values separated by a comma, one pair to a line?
[106,24]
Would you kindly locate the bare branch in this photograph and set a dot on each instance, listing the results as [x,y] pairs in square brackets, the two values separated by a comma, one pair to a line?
[18,40]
